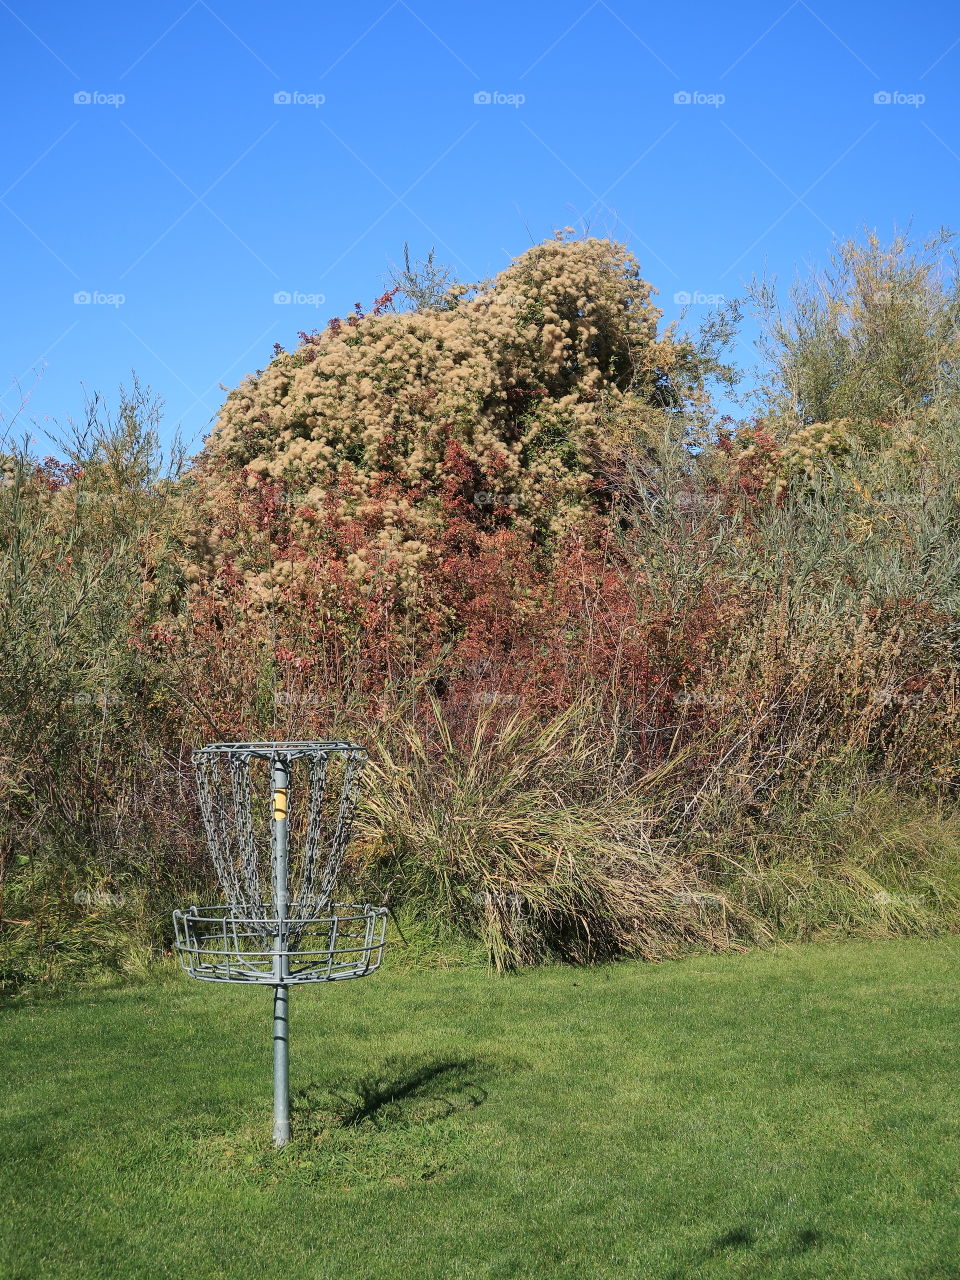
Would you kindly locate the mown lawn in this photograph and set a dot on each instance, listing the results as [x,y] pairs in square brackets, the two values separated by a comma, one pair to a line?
[791,1113]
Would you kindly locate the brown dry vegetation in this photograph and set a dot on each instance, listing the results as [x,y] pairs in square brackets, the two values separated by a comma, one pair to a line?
[634,679]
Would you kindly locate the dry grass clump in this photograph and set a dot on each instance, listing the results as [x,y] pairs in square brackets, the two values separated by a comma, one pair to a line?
[536,838]
[865,861]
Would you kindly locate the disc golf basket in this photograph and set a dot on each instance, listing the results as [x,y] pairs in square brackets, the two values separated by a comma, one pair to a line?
[277,818]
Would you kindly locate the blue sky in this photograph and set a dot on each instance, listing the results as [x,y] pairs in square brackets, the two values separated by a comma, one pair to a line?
[183,197]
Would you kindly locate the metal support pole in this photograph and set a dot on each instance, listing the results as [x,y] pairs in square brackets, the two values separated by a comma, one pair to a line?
[281,1068]
[281,1024]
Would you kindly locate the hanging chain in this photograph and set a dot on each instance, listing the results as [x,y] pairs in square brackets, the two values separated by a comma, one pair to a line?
[353,768]
[241,860]
[217,824]
[305,905]
[253,895]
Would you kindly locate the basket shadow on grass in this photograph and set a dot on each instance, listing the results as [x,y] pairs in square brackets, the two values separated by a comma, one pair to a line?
[405,1123]
[405,1092]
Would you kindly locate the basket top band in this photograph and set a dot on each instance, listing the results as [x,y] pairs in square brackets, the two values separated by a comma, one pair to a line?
[269,750]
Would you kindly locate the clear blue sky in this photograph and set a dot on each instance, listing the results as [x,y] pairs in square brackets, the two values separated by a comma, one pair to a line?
[198,198]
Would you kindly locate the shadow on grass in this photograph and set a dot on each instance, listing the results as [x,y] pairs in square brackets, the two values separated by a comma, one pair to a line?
[403,1092]
[744,1239]
[398,1127]
[738,1238]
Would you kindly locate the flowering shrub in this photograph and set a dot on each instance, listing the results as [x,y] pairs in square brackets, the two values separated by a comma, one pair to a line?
[518,372]
[427,488]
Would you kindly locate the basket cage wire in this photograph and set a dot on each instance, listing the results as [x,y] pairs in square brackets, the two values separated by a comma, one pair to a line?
[265,930]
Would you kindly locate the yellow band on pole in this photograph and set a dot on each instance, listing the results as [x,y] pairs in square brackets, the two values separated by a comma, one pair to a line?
[280,803]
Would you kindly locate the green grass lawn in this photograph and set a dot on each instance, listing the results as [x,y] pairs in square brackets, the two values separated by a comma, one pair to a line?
[779,1114]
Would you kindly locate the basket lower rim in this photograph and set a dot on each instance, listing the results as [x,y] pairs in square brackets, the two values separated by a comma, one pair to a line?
[226,943]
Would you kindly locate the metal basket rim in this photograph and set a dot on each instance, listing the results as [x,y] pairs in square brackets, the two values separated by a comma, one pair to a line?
[270,750]
[240,912]
[355,955]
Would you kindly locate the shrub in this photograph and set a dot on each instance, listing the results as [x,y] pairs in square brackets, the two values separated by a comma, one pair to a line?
[88,833]
[520,373]
[874,337]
